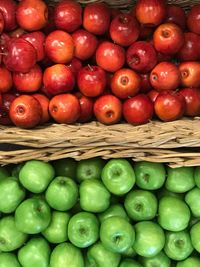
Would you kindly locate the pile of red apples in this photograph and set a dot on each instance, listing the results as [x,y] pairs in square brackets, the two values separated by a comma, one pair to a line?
[69,63]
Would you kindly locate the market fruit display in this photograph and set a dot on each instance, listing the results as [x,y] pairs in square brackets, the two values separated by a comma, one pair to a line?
[67,62]
[95,212]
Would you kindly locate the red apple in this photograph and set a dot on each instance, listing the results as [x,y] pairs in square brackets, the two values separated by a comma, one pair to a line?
[168,38]
[65,108]
[193,21]
[20,55]
[150,12]
[138,109]
[191,49]
[37,39]
[145,32]
[165,76]
[141,56]
[153,95]
[176,14]
[44,102]
[109,56]
[4,40]
[32,15]
[96,18]
[145,85]
[75,65]
[58,79]
[124,29]
[5,80]
[28,82]
[125,83]
[6,100]
[164,57]
[86,105]
[108,109]
[2,23]
[17,33]
[68,15]
[8,9]
[190,73]
[115,12]
[192,99]
[85,44]
[25,111]
[169,106]
[50,26]
[59,47]
[91,81]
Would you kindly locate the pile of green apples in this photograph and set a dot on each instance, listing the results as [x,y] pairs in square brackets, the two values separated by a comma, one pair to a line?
[98,213]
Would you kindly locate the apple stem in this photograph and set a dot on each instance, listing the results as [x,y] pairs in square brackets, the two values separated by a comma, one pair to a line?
[90,67]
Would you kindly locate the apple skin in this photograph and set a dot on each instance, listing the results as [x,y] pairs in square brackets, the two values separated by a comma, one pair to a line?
[96,18]
[68,15]
[59,47]
[65,167]
[190,73]
[2,23]
[8,9]
[113,211]
[153,95]
[86,105]
[9,259]
[124,29]
[110,56]
[190,261]
[6,81]
[192,199]
[129,263]
[32,15]
[145,85]
[6,101]
[108,109]
[138,109]
[141,56]
[161,259]
[75,65]
[194,234]
[193,23]
[44,102]
[192,99]
[176,14]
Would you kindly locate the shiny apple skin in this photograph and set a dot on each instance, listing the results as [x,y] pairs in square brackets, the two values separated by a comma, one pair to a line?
[193,21]
[6,81]
[145,85]
[8,9]
[192,99]
[44,102]
[2,23]
[190,74]
[176,14]
[86,105]
[153,95]
[75,65]
[68,15]
[6,101]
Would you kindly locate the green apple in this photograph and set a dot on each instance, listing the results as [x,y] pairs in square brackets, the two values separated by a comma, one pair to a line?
[180,180]
[193,221]
[16,170]
[8,260]
[83,229]
[12,194]
[36,252]
[178,245]
[62,193]
[117,234]
[160,260]
[89,169]
[189,262]
[149,239]
[66,254]
[36,175]
[149,175]
[10,237]
[113,210]
[118,176]
[56,232]
[164,192]
[130,263]
[4,173]
[195,236]
[141,205]
[197,176]
[94,197]
[192,198]
[130,253]
[173,214]
[65,167]
[99,256]
[32,216]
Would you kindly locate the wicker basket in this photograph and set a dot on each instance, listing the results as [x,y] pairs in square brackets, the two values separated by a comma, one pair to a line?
[176,143]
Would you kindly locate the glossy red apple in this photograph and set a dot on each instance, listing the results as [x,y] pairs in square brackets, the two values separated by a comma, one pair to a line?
[28,82]
[192,99]
[85,44]
[65,108]
[168,38]
[58,79]
[25,111]
[44,102]
[190,74]
[141,56]
[86,105]
[153,95]
[176,14]
[2,23]
[91,81]
[145,85]
[108,109]
[138,109]
[68,15]
[96,18]
[193,21]
[124,29]
[59,47]
[6,100]
[32,15]
[75,65]
[6,81]
[150,12]
[125,83]
[110,57]
[165,76]
[169,106]
[20,55]
[8,9]
[37,39]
